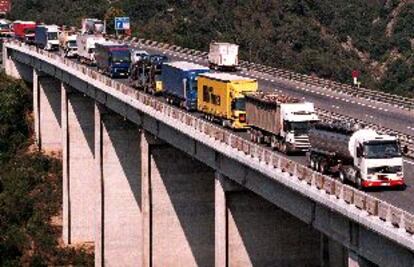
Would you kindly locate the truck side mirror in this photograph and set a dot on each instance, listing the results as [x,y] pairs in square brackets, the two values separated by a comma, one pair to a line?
[405,150]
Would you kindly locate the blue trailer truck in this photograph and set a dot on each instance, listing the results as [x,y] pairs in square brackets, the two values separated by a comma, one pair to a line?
[179,82]
[46,37]
[113,59]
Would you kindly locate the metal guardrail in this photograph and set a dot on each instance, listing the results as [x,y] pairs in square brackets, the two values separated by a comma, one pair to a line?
[394,100]
[390,218]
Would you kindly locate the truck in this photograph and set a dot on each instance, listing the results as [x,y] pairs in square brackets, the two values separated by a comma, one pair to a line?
[5,30]
[144,77]
[92,26]
[221,98]
[356,154]
[223,56]
[67,44]
[24,31]
[113,59]
[86,47]
[46,37]
[179,81]
[280,121]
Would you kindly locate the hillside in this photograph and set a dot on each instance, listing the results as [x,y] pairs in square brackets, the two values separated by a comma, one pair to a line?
[325,38]
[30,190]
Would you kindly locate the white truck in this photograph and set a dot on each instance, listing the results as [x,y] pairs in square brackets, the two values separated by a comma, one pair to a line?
[86,47]
[223,56]
[67,44]
[361,156]
[46,37]
[281,121]
[92,26]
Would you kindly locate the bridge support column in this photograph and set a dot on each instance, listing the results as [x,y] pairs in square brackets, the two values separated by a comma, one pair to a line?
[79,176]
[182,209]
[354,260]
[10,66]
[48,112]
[333,254]
[253,232]
[118,161]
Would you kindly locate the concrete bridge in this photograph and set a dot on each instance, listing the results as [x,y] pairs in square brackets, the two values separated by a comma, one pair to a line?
[153,185]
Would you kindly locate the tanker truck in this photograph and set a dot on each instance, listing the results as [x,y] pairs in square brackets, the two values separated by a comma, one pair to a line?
[357,155]
[281,121]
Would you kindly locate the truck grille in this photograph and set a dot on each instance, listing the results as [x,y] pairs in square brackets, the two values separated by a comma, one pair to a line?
[302,142]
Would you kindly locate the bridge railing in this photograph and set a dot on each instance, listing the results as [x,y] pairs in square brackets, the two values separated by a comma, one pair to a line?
[395,100]
[394,218]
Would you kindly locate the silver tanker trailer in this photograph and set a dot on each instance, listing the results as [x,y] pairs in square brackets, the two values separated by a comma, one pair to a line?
[360,156]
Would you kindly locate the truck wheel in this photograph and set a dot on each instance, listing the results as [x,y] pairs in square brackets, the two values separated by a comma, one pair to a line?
[322,167]
[342,177]
[312,163]
[283,148]
[359,183]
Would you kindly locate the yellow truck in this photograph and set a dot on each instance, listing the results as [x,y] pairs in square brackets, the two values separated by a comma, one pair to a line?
[221,97]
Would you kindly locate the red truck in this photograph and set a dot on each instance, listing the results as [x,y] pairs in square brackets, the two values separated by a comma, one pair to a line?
[24,31]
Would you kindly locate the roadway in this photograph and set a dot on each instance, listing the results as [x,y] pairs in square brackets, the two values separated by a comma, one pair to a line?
[382,114]
[402,199]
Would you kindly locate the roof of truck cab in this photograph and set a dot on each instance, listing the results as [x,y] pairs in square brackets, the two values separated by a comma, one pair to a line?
[226,77]
[186,66]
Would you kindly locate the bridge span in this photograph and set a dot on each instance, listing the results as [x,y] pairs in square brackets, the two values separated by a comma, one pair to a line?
[152,185]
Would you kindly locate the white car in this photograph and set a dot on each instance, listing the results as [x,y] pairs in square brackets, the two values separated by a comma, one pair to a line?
[137,55]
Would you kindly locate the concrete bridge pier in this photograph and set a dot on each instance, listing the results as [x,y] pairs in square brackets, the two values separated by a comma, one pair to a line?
[253,232]
[80,184]
[119,206]
[181,214]
[47,111]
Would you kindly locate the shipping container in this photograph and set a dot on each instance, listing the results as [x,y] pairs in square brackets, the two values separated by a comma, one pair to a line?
[179,81]
[221,97]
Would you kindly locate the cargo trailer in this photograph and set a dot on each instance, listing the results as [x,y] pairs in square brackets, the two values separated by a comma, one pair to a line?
[179,81]
[281,121]
[221,97]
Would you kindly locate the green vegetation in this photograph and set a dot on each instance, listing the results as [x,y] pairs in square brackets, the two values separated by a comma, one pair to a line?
[30,190]
[324,38]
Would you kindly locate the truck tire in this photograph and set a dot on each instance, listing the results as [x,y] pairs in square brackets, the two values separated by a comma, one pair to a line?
[322,167]
[342,177]
[312,163]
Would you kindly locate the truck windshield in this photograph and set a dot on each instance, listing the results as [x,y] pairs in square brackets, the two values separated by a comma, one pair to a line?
[239,104]
[379,150]
[298,126]
[52,36]
[121,56]
[385,169]
[72,44]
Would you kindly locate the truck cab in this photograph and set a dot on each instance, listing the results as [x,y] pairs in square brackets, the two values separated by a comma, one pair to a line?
[378,159]
[297,119]
[47,37]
